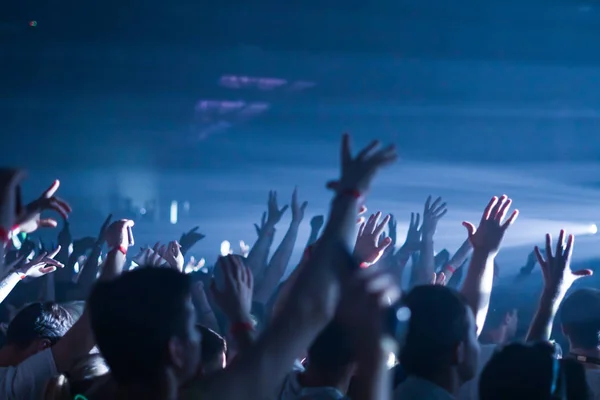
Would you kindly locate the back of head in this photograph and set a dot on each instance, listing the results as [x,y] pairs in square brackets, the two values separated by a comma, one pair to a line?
[38,321]
[531,372]
[134,318]
[438,324]
[213,350]
[501,312]
[580,318]
[331,349]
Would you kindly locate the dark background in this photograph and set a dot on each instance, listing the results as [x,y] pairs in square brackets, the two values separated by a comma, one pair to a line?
[481,97]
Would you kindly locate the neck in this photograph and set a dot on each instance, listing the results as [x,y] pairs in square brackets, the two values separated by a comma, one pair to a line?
[314,377]
[10,356]
[495,336]
[447,380]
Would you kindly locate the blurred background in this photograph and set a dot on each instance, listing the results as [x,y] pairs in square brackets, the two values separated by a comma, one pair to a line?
[204,106]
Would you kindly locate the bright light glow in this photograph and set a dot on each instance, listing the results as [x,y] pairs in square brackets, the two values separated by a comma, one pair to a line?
[391,361]
[225,248]
[76,267]
[173,216]
[142,211]
[593,229]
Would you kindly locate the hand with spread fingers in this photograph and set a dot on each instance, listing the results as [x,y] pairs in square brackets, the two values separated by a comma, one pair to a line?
[30,219]
[42,264]
[275,213]
[368,249]
[172,255]
[492,227]
[432,214]
[556,267]
[297,208]
[235,297]
[413,236]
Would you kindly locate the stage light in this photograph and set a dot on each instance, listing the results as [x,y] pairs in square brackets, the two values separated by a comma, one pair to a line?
[593,229]
[173,216]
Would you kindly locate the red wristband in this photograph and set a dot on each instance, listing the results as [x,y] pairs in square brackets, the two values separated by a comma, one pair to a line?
[4,235]
[450,268]
[241,327]
[351,192]
[121,248]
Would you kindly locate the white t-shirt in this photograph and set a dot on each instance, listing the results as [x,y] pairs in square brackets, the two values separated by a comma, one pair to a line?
[470,390]
[28,380]
[292,390]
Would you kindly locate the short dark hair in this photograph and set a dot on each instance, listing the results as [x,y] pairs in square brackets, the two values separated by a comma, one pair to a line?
[134,317]
[36,321]
[212,346]
[331,348]
[438,323]
[531,371]
[580,317]
[501,303]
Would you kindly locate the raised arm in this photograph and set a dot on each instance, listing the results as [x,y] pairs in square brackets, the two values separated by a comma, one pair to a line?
[282,255]
[262,368]
[259,254]
[316,223]
[87,276]
[425,268]
[486,240]
[457,260]
[558,278]
[79,340]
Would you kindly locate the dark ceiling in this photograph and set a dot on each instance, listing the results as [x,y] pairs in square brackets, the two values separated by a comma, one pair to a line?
[498,78]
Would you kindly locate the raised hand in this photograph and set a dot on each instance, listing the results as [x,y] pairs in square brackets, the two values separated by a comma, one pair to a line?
[274,212]
[368,249]
[432,214]
[30,219]
[556,267]
[297,208]
[263,223]
[235,297]
[64,236]
[117,234]
[393,230]
[172,255]
[358,172]
[42,264]
[80,246]
[244,249]
[488,236]
[190,238]
[413,236]
[10,192]
[317,222]
[147,257]
[193,265]
[439,279]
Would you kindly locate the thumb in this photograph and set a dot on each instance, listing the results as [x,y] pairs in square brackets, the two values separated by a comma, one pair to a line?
[303,206]
[583,272]
[470,228]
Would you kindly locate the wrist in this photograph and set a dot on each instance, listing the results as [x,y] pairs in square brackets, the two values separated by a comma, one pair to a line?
[122,249]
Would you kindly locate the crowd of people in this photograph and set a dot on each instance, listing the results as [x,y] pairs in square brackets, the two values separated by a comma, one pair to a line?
[157,324]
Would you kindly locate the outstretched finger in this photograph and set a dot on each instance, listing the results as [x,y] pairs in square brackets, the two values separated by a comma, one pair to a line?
[560,243]
[367,150]
[488,209]
[470,228]
[48,223]
[569,249]
[379,229]
[345,154]
[511,220]
[549,246]
[48,193]
[539,256]
[503,210]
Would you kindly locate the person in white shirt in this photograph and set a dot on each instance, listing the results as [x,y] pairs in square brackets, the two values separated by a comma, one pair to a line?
[26,361]
[440,352]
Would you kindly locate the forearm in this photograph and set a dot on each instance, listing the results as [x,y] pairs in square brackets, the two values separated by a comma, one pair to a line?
[204,312]
[113,266]
[8,284]
[421,275]
[277,265]
[458,259]
[374,378]
[541,325]
[477,287]
[398,264]
[312,238]
[259,253]
[89,271]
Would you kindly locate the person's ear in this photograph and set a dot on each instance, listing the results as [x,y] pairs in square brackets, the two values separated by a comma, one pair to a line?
[44,344]
[458,354]
[177,351]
